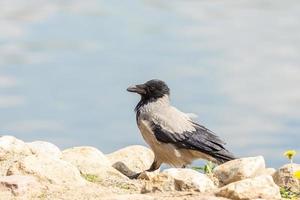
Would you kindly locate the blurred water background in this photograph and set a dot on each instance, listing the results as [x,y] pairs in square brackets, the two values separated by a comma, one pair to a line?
[65,66]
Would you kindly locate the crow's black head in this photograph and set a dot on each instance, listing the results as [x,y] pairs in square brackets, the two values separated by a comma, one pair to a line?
[151,90]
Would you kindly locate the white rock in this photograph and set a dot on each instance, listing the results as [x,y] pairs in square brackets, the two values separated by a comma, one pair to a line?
[47,169]
[268,171]
[160,183]
[90,161]
[19,185]
[10,145]
[11,149]
[162,196]
[170,196]
[44,148]
[239,169]
[132,159]
[178,180]
[85,157]
[191,179]
[260,187]
[129,197]
[212,198]
[284,177]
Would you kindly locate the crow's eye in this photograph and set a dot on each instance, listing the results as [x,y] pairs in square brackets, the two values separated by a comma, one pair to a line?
[151,88]
[148,89]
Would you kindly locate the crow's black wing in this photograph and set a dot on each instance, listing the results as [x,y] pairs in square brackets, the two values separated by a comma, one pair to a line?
[200,139]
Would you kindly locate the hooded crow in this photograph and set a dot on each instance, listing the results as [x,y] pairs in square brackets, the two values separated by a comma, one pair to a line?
[172,135]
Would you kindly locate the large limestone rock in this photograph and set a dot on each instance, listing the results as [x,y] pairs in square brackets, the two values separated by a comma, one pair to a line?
[48,169]
[268,171]
[208,197]
[159,183]
[44,149]
[18,185]
[163,196]
[284,177]
[131,160]
[190,179]
[85,158]
[10,146]
[239,169]
[11,149]
[93,165]
[129,197]
[178,180]
[39,170]
[260,187]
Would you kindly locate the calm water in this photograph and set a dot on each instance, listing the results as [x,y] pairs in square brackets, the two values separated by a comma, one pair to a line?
[65,66]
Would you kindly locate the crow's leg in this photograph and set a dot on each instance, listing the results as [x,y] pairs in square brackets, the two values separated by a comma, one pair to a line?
[155,165]
[135,176]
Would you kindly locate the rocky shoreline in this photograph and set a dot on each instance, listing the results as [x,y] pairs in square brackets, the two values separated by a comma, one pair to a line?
[40,170]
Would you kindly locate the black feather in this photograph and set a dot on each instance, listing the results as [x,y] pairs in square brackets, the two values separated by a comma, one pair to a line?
[202,139]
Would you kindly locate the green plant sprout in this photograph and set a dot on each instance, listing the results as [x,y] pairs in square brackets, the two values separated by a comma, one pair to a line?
[288,194]
[91,178]
[206,169]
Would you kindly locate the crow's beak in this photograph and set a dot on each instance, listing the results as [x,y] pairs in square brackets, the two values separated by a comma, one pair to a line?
[137,89]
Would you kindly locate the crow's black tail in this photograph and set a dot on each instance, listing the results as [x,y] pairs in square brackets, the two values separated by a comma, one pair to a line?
[223,156]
